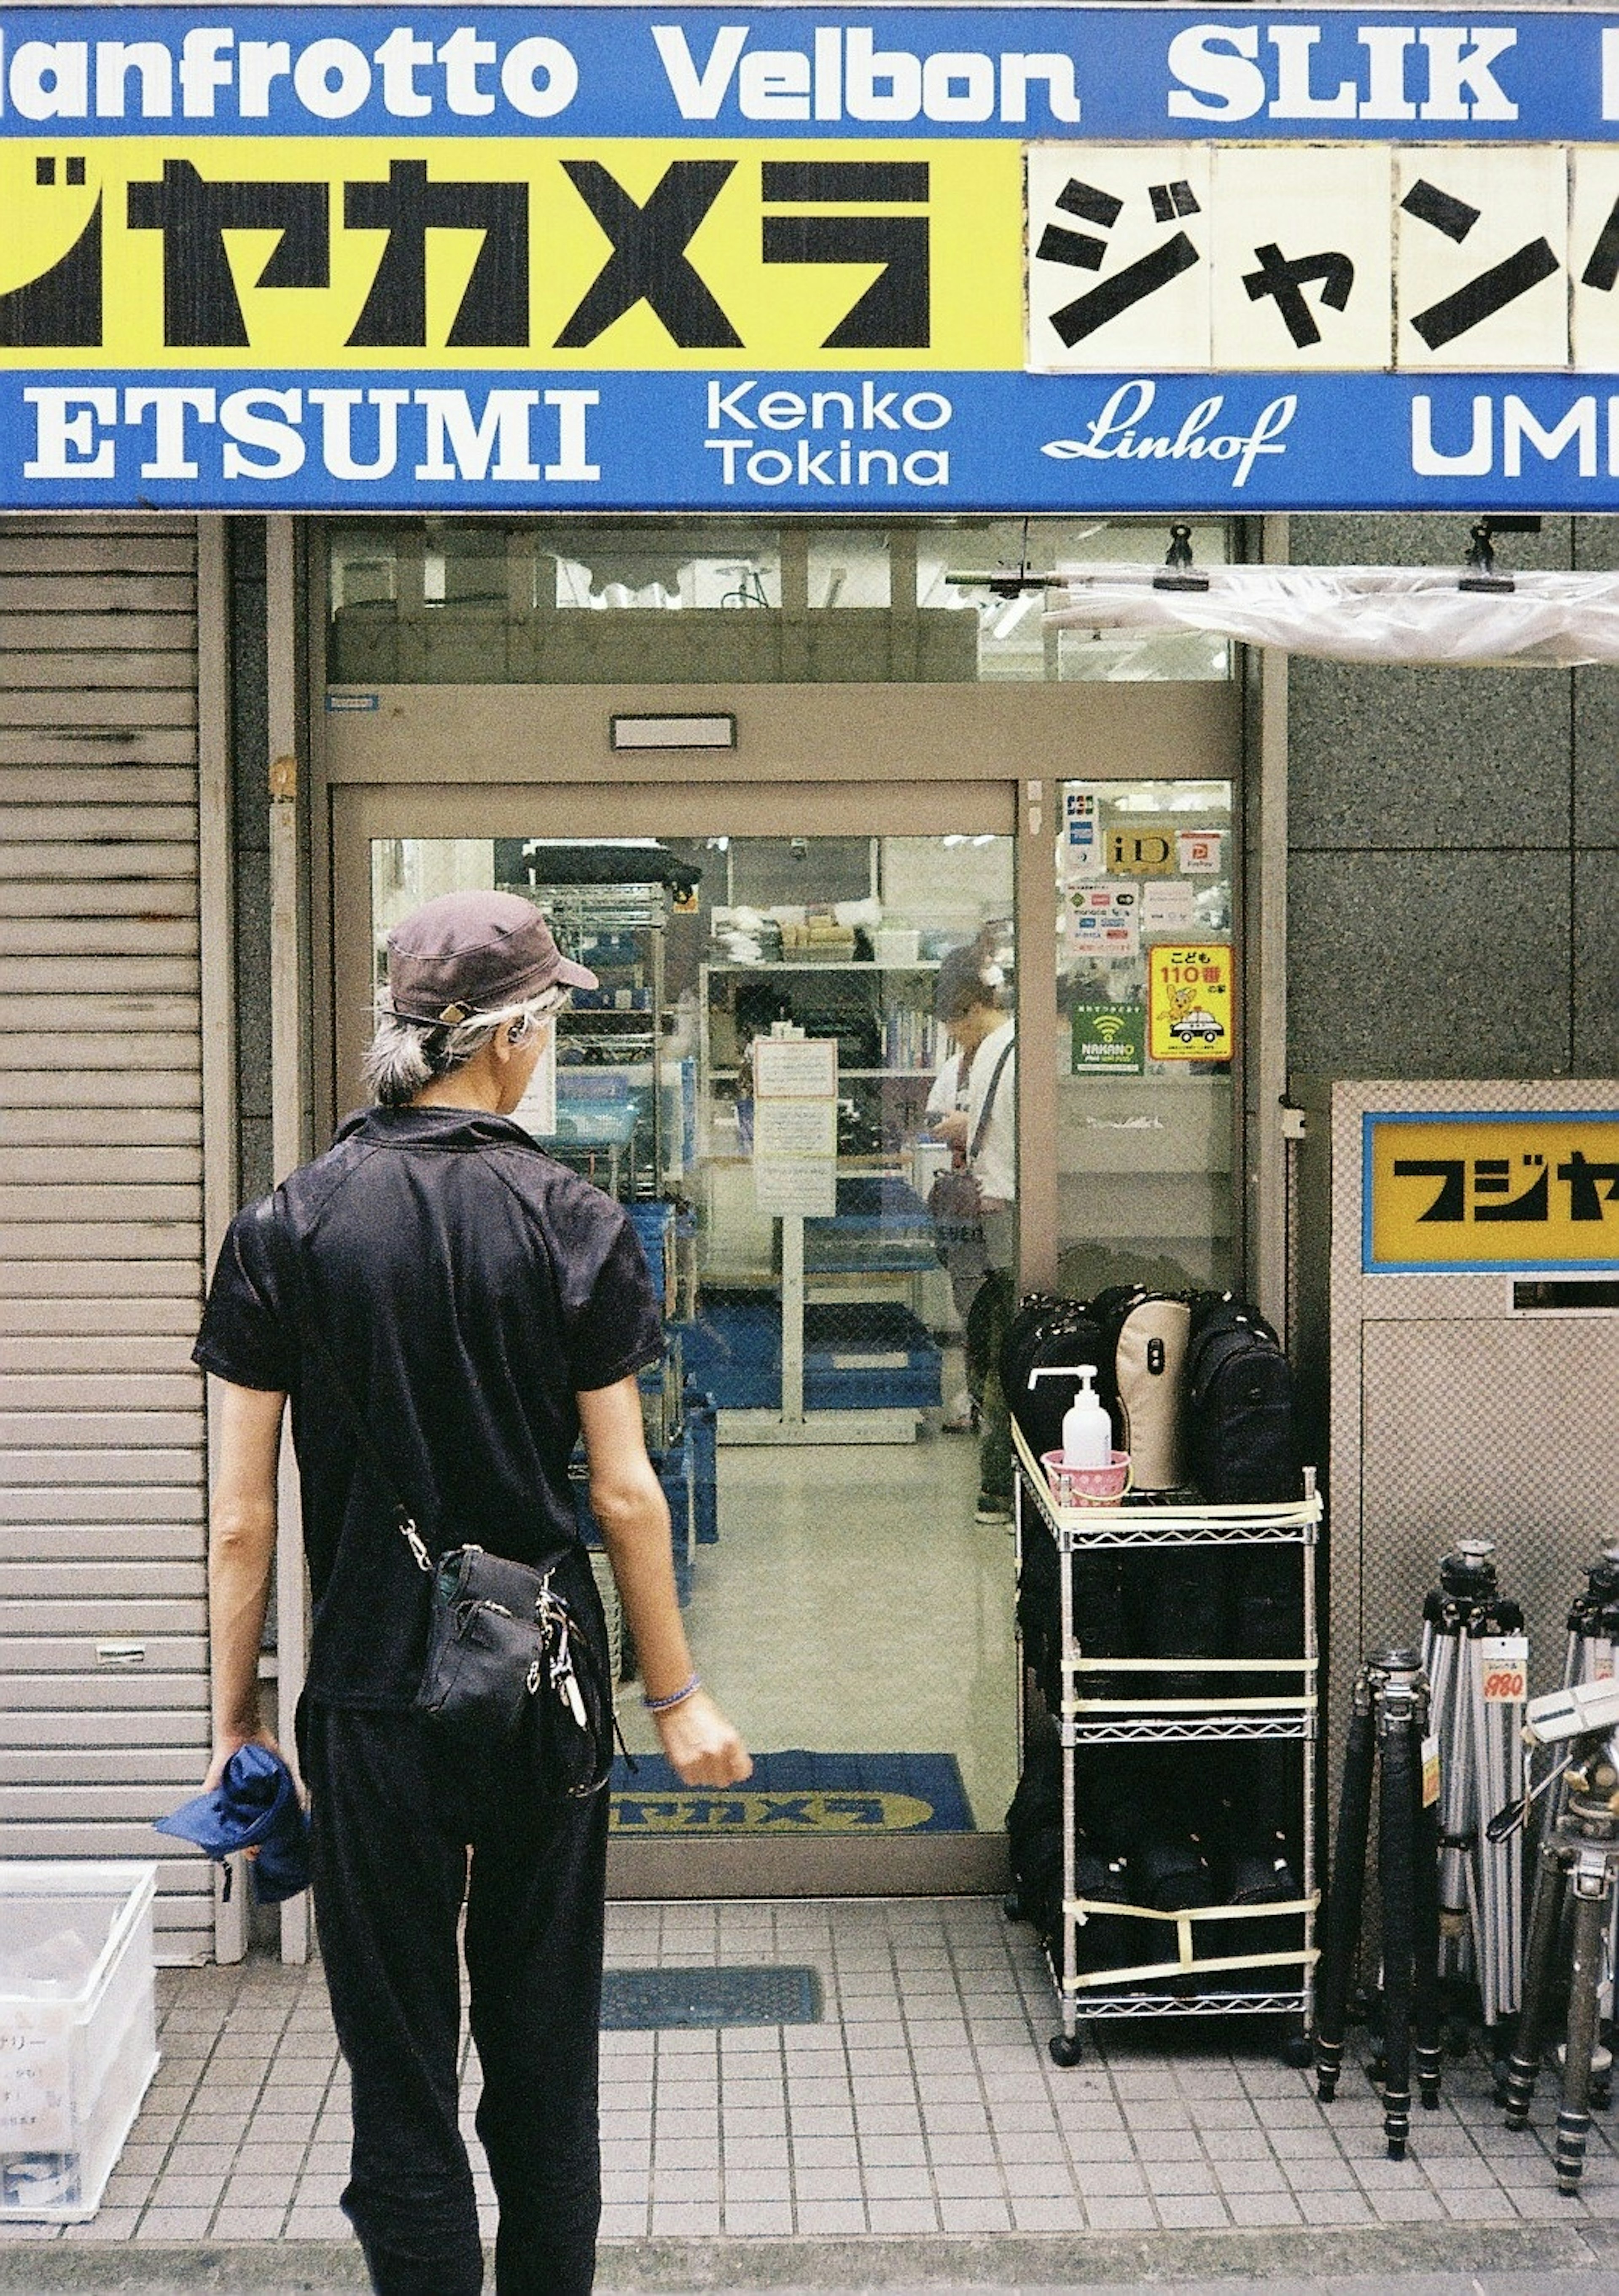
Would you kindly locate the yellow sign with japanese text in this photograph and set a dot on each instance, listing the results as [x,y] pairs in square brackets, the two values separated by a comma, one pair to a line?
[1491,1190]
[1189,1014]
[141,252]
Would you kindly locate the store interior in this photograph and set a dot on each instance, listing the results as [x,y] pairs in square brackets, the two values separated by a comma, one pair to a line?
[812,1423]
[799,1422]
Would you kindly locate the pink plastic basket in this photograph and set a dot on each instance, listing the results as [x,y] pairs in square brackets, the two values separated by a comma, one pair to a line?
[1073,1487]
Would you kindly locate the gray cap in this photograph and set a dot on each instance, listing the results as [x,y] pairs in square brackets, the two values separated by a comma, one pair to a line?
[471,953]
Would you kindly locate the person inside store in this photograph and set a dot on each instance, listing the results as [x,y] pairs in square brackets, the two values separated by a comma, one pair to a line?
[448,1309]
[973,1106]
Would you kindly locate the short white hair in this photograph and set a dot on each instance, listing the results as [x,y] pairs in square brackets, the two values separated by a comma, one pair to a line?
[404,1056]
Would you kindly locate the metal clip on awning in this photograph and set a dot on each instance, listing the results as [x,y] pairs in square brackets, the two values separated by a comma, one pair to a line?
[1178,572]
[1481,574]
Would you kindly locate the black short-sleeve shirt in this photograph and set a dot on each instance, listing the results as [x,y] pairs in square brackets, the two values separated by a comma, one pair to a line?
[467,1287]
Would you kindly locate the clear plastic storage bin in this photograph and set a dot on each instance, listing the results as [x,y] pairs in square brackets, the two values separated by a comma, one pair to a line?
[77,2030]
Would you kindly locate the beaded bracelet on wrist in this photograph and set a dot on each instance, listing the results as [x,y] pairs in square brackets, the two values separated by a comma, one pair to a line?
[675,1697]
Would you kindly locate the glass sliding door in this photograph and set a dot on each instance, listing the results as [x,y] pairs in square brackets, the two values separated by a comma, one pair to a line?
[757,1077]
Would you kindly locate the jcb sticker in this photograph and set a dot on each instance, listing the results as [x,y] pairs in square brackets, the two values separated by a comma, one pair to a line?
[1491,1191]
[137,253]
[1503,1668]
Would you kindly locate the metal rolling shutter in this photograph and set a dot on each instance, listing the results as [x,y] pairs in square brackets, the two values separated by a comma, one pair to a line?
[101,1428]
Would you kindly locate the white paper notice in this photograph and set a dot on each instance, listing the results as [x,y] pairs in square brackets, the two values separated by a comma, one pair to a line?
[1168,901]
[795,1068]
[795,1128]
[806,1187]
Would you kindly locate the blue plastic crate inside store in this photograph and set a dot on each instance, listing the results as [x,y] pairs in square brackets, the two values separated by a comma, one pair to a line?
[673,1471]
[702,1452]
[862,1356]
[654,1226]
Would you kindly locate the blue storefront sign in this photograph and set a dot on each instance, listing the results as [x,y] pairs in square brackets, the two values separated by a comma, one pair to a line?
[1079,258]
[922,441]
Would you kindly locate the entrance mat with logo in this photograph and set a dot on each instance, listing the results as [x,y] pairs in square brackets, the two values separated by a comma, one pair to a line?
[799,1792]
[642,2000]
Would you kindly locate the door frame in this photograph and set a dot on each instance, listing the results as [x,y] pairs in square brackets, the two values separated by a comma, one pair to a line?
[486,760]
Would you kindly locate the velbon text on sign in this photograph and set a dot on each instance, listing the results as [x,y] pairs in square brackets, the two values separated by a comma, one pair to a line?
[1469,1193]
[973,71]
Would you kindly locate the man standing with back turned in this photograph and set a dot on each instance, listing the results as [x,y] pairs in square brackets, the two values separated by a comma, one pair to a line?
[473,1305]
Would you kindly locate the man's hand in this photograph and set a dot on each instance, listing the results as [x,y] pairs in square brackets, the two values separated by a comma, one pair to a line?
[951,1128]
[703,1748]
[225,1747]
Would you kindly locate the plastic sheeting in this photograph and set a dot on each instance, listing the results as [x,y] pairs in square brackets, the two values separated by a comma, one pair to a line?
[1363,614]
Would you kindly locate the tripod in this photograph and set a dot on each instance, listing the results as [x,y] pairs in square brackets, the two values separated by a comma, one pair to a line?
[1593,1655]
[1481,1770]
[1578,1854]
[1388,1723]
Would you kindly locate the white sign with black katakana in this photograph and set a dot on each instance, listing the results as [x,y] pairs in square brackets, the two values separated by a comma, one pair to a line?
[1289,257]
[1481,257]
[1118,257]
[1302,263]
[1593,255]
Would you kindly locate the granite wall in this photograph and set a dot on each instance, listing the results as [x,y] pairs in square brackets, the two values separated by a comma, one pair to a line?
[1453,892]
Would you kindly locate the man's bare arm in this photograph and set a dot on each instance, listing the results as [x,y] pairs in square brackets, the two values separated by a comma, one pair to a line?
[241,1558]
[628,1503]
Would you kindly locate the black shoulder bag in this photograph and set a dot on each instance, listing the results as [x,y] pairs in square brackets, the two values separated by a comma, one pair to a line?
[507,1659]
[955,1201]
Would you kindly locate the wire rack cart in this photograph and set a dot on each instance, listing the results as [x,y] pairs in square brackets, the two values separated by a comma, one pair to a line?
[1209,1967]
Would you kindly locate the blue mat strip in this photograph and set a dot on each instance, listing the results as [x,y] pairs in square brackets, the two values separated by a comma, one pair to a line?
[795,1791]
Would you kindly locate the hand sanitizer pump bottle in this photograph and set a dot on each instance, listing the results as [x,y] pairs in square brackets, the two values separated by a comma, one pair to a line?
[1087,1432]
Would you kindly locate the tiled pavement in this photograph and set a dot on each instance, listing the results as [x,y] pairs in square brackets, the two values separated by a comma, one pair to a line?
[925,2105]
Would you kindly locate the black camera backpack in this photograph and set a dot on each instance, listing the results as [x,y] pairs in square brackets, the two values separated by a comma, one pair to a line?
[1241,1438]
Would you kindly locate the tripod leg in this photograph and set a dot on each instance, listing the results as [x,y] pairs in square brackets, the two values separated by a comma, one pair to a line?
[1398,1789]
[1425,1911]
[1545,1921]
[1342,1927]
[1590,1895]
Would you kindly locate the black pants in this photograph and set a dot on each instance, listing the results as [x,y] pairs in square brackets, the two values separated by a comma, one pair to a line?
[993,1306]
[393,1820]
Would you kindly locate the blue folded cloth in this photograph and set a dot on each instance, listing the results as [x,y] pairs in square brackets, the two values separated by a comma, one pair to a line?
[255,1806]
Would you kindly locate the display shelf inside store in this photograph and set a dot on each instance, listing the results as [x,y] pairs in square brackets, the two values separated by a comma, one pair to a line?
[817,965]
[904,1076]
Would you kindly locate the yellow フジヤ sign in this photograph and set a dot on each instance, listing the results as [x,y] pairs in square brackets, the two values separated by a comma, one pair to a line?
[1491,1190]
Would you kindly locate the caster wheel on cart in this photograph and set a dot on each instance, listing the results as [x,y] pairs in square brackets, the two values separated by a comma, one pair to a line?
[1298,2051]
[1066,2049]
